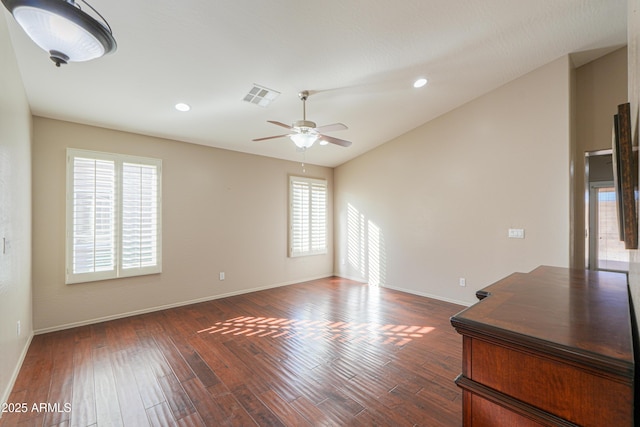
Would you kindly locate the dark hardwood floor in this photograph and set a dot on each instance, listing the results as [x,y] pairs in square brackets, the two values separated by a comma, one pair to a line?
[329,352]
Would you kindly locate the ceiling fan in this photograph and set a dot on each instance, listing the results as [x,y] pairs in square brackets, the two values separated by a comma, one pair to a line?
[305,133]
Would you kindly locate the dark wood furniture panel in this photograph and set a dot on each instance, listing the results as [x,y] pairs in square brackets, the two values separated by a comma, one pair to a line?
[553,347]
[488,413]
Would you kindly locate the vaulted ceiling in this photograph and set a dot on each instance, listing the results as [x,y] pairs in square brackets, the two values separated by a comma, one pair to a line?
[358,59]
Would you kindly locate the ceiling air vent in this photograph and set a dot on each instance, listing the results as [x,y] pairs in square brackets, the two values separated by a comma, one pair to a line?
[261,96]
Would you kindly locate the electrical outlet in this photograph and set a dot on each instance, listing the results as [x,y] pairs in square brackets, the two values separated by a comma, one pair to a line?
[18,329]
[463,281]
[222,275]
[516,233]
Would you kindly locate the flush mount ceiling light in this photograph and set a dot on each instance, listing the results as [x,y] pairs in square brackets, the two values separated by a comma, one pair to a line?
[61,28]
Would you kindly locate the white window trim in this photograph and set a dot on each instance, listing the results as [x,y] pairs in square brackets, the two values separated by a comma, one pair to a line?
[311,182]
[118,271]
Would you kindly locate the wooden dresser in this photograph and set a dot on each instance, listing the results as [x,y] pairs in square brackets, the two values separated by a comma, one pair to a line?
[548,348]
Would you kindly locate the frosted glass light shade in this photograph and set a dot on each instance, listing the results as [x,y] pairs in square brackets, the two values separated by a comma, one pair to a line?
[63,30]
[304,140]
[54,33]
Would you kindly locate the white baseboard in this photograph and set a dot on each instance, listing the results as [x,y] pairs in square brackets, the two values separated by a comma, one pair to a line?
[413,292]
[168,306]
[428,295]
[16,371]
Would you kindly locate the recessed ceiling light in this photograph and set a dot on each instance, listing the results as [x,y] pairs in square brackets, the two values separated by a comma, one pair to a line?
[181,106]
[420,82]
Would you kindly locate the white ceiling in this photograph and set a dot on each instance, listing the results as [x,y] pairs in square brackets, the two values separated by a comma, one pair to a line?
[358,58]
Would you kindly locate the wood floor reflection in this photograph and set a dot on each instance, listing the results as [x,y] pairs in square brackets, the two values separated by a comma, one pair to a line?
[329,352]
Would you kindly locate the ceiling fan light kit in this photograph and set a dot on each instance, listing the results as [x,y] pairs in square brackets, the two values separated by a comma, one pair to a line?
[61,28]
[303,140]
[305,132]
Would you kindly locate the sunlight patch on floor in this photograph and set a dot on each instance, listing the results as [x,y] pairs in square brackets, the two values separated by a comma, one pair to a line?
[318,329]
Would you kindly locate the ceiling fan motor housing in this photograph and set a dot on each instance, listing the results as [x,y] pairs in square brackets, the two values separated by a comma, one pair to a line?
[304,125]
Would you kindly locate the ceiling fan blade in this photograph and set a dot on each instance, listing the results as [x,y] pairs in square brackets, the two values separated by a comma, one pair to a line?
[270,137]
[331,128]
[336,141]
[279,124]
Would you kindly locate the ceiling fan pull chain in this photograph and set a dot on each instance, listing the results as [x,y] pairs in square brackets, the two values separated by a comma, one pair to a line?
[304,159]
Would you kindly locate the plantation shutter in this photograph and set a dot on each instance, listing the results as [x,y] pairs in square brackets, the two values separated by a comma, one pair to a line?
[139,216]
[94,219]
[318,234]
[307,216]
[113,216]
[299,218]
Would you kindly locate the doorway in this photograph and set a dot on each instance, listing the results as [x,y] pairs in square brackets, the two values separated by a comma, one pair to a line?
[604,249]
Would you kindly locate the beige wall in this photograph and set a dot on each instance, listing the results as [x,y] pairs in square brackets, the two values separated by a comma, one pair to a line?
[222,211]
[435,204]
[601,85]
[15,216]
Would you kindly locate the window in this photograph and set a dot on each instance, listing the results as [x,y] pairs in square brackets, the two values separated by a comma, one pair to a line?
[113,216]
[307,216]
